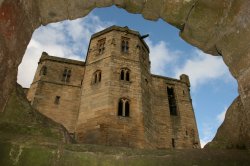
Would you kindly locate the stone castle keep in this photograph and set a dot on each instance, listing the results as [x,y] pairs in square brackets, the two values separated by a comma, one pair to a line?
[112,98]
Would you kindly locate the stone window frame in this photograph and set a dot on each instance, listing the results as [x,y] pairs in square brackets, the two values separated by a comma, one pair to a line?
[101,46]
[125,74]
[66,75]
[43,70]
[125,45]
[124,105]
[97,77]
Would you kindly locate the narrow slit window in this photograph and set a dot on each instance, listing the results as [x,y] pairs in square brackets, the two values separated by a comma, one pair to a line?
[126,108]
[57,100]
[127,76]
[122,75]
[120,107]
[100,76]
[173,143]
[95,77]
[172,101]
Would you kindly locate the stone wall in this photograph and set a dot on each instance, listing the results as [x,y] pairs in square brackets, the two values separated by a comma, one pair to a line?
[45,89]
[98,120]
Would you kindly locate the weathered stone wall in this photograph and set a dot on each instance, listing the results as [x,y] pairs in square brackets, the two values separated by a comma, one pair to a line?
[44,89]
[216,27]
[182,128]
[98,120]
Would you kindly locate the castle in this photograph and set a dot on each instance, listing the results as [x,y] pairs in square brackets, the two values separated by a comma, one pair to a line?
[112,98]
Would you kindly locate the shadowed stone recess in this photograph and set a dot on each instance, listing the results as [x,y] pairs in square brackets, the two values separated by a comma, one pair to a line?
[216,27]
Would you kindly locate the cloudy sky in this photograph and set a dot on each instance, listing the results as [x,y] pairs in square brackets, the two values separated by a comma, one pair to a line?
[212,86]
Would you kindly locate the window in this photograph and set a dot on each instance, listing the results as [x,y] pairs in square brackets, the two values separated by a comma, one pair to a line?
[97,77]
[171,101]
[101,46]
[125,45]
[125,74]
[43,71]
[57,100]
[123,107]
[66,75]
[173,143]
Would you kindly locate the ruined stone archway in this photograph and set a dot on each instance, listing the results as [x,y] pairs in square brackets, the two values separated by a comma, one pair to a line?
[216,27]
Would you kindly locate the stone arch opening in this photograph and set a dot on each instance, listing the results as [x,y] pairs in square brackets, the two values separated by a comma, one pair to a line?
[215,27]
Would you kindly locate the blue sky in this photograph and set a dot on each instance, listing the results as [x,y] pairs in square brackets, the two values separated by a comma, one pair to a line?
[212,87]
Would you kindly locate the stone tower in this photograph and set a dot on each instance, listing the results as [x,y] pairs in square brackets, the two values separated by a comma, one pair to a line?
[111,111]
[56,88]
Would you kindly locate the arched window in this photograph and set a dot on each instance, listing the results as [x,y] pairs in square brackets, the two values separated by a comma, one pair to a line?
[125,45]
[125,74]
[123,107]
[126,108]
[66,75]
[100,76]
[120,107]
[97,77]
[122,74]
[43,70]
[101,46]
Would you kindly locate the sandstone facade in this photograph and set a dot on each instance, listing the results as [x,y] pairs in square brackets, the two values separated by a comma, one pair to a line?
[112,98]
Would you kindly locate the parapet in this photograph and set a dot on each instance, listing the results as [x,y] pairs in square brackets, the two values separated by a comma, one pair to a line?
[184,78]
[45,56]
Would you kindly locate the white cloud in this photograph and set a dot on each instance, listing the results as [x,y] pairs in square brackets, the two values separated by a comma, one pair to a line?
[221,116]
[207,134]
[68,39]
[161,56]
[202,68]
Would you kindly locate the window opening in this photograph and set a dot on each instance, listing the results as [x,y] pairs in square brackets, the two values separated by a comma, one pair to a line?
[172,101]
[100,76]
[173,143]
[57,100]
[127,76]
[66,75]
[125,45]
[123,108]
[120,105]
[126,108]
[101,46]
[122,75]
[97,77]
[43,71]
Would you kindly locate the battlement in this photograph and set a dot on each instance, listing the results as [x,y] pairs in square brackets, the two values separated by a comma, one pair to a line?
[46,57]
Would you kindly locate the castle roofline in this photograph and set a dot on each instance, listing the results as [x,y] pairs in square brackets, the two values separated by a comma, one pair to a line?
[166,78]
[45,56]
[122,29]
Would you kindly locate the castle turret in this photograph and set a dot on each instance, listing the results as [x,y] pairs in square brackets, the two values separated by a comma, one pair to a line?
[111,101]
[184,78]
